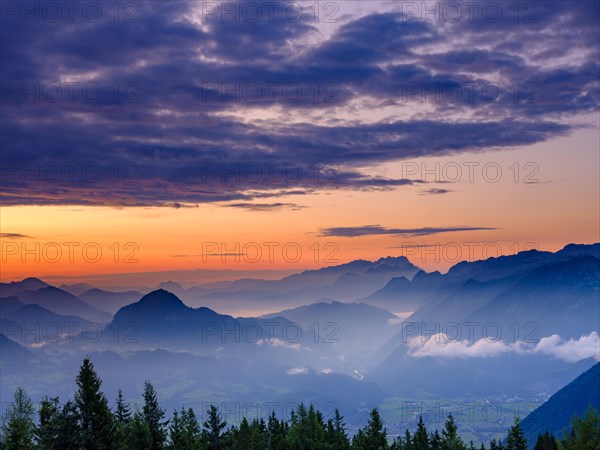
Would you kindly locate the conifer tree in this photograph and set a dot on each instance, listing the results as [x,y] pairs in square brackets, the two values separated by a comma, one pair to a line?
[122,409]
[138,433]
[298,436]
[435,441]
[96,419]
[276,433]
[258,431]
[421,438]
[176,433]
[58,427]
[375,433]
[516,437]
[243,436]
[69,431]
[545,442]
[496,445]
[336,436]
[358,440]
[212,429]
[154,418]
[191,429]
[122,417]
[408,440]
[18,430]
[315,428]
[47,430]
[585,432]
[450,438]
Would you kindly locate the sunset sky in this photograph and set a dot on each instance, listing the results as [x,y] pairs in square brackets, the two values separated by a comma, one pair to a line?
[177,137]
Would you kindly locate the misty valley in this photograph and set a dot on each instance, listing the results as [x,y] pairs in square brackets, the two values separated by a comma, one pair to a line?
[487,342]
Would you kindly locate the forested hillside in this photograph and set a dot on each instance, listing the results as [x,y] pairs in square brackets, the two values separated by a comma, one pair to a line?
[87,422]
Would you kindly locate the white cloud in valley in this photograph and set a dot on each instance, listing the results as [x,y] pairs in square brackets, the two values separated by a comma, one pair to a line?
[571,350]
[440,345]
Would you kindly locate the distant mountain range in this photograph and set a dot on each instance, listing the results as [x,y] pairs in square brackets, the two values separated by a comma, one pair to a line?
[34,324]
[15,287]
[345,282]
[547,292]
[355,330]
[34,291]
[402,295]
[391,283]
[161,320]
[559,297]
[9,304]
[11,351]
[108,300]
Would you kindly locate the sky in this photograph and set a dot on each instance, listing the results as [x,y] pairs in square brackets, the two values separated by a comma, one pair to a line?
[277,136]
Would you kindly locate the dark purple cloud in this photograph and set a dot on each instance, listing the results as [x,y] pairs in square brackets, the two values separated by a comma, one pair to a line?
[435,191]
[265,206]
[373,230]
[166,109]
[13,236]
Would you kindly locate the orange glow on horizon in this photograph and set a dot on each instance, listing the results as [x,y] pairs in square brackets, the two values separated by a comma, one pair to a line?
[560,207]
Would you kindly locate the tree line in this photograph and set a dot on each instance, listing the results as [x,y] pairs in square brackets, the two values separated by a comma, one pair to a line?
[87,422]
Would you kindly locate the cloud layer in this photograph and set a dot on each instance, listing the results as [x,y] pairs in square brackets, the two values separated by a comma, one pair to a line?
[171,104]
[442,346]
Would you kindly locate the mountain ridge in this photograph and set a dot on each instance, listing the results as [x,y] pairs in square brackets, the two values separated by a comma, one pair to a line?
[555,414]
